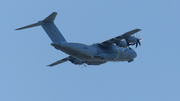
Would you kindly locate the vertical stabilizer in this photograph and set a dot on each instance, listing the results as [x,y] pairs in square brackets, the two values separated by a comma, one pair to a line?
[49,27]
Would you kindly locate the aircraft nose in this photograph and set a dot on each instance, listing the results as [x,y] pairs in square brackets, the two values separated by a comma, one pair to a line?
[134,54]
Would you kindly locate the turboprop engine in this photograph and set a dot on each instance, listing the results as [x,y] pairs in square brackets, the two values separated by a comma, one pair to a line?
[122,43]
[131,40]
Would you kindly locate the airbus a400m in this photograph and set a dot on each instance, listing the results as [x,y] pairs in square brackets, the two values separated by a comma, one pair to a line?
[114,49]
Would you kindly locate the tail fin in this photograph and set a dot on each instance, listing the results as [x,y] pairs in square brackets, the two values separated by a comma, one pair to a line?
[49,27]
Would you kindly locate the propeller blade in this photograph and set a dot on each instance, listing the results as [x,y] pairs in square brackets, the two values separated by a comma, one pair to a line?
[139,42]
[139,36]
[136,44]
[127,43]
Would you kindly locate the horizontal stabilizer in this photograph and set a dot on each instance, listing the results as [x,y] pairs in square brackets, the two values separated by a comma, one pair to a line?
[48,19]
[28,26]
[49,27]
[51,17]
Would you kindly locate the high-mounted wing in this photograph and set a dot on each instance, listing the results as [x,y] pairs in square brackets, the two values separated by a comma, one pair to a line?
[59,61]
[120,37]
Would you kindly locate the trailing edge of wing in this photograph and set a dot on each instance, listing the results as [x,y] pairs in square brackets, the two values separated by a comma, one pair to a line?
[120,37]
[59,62]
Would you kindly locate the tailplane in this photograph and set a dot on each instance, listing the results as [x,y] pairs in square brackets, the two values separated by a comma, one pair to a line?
[49,27]
[50,18]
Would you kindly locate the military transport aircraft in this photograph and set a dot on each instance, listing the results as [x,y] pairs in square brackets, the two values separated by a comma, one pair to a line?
[114,49]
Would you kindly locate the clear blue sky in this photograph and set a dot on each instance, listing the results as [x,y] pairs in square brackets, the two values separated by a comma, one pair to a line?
[153,76]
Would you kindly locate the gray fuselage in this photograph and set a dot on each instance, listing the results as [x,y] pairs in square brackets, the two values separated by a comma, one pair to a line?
[95,52]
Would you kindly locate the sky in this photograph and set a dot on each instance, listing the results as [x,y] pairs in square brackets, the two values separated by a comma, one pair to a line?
[152,76]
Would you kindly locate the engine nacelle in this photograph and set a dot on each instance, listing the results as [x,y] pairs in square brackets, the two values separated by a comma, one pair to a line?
[131,39]
[122,43]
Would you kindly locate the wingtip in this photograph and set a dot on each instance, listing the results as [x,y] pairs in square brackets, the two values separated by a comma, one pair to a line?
[138,29]
[49,65]
[55,12]
[17,29]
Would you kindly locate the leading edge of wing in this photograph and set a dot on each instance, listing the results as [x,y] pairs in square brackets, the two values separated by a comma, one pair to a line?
[120,37]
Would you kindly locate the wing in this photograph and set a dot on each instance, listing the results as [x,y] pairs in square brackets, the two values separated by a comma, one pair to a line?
[59,61]
[120,37]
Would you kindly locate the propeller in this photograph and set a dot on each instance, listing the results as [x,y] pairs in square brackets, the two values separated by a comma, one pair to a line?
[134,40]
[138,42]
